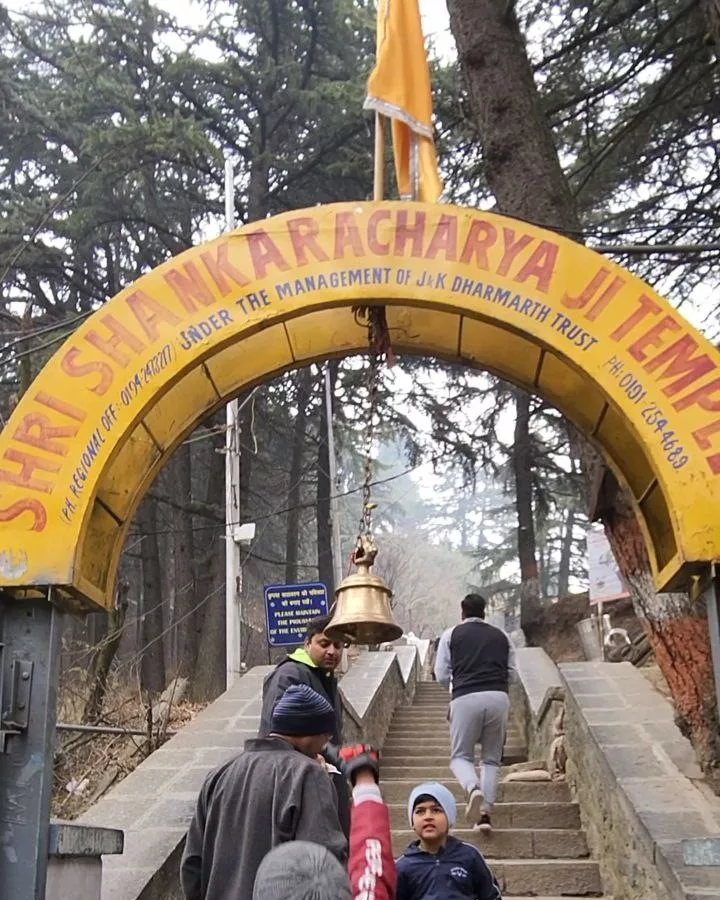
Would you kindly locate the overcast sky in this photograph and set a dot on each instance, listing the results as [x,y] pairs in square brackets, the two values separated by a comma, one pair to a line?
[436,26]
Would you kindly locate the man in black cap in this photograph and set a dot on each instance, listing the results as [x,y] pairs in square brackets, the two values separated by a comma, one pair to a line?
[313,664]
[273,792]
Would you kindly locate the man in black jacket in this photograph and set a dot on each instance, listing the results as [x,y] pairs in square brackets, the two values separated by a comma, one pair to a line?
[479,660]
[313,664]
[272,793]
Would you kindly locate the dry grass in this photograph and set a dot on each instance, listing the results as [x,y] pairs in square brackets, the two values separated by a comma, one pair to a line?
[85,763]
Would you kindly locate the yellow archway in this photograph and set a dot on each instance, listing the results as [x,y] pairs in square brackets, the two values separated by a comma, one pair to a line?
[554,317]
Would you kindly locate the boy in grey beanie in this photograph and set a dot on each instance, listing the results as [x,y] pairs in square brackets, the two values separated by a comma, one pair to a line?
[301,871]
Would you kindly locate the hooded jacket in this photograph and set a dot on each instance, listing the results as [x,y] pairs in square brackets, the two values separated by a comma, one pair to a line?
[299,668]
[458,871]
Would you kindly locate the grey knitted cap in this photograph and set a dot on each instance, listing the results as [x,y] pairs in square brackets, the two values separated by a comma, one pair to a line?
[300,870]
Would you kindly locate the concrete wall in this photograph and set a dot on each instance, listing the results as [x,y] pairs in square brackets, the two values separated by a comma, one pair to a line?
[631,771]
[373,690]
[155,803]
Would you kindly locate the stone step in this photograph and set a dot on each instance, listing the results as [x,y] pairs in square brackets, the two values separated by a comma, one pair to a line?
[398,791]
[396,745]
[512,815]
[431,733]
[419,723]
[431,701]
[407,767]
[513,843]
[576,877]
[437,699]
[410,758]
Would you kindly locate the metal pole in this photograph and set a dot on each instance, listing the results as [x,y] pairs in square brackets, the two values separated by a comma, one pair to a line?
[29,669]
[334,515]
[379,172]
[233,574]
[106,729]
[711,594]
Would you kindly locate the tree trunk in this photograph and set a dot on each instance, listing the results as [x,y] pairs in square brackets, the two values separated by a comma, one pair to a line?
[326,572]
[677,630]
[524,174]
[530,603]
[152,663]
[566,554]
[188,616]
[292,532]
[105,654]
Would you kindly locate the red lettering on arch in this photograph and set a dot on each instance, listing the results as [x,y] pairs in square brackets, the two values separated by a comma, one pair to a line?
[189,286]
[264,253]
[702,435]
[28,463]
[119,334]
[75,369]
[445,238]
[646,306]
[347,234]
[405,232]
[513,246]
[588,292]
[221,270]
[653,337]
[61,406]
[374,244]
[679,361]
[703,396]
[481,236]
[37,430]
[303,232]
[150,313]
[540,266]
[28,504]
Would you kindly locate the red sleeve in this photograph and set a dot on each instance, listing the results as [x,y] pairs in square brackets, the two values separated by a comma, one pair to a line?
[371,866]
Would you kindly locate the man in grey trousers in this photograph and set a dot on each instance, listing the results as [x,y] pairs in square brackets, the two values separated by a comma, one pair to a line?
[478,661]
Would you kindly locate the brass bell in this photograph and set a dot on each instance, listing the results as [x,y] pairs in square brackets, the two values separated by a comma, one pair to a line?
[362,612]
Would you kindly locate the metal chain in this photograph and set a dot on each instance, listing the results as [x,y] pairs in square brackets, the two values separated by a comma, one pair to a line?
[373,393]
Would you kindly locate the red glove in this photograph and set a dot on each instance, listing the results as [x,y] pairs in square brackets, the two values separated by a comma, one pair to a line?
[360,756]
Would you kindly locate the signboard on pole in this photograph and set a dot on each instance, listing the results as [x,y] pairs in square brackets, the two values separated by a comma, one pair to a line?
[289,608]
[606,583]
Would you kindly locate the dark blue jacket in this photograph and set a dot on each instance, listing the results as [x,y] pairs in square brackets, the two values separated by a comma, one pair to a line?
[456,872]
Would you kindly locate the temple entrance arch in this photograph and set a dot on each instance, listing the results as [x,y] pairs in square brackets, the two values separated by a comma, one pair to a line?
[550,315]
[99,421]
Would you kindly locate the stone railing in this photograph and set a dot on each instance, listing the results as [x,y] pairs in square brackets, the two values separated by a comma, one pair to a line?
[75,859]
[371,691]
[631,771]
[154,804]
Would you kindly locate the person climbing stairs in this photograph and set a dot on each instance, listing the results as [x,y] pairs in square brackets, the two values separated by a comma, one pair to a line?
[537,848]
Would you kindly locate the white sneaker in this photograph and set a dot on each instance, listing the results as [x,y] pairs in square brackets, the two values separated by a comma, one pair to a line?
[474,805]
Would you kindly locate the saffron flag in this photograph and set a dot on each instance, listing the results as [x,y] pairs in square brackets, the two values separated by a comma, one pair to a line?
[399,88]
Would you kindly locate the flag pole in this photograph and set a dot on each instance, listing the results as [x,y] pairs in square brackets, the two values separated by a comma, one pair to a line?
[379,173]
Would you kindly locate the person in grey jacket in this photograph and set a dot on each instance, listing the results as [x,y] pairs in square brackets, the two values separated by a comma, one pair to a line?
[273,792]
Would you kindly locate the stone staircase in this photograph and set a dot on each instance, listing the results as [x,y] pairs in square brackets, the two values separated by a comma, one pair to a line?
[537,848]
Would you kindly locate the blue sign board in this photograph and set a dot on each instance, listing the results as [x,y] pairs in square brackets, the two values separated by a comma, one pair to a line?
[289,608]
